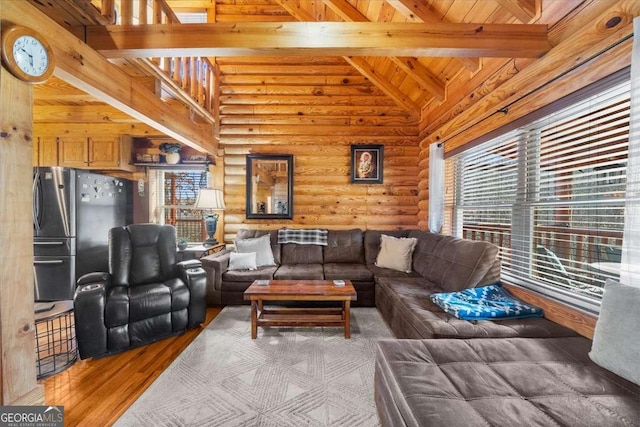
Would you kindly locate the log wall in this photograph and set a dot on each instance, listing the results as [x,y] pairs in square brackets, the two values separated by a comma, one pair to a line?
[316,111]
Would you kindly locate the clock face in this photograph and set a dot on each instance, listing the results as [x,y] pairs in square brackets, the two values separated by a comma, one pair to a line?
[30,55]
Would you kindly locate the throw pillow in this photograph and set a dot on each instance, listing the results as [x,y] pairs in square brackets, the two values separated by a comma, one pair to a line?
[490,302]
[616,340]
[261,246]
[396,253]
[242,261]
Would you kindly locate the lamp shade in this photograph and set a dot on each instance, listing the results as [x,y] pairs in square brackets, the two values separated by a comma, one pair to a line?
[209,198]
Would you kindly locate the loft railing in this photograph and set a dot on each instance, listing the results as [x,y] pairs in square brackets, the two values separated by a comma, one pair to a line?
[191,79]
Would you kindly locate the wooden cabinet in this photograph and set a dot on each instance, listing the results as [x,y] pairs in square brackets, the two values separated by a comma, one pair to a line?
[45,152]
[85,153]
[73,153]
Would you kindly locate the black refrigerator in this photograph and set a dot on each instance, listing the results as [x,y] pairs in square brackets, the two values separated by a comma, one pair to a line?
[73,211]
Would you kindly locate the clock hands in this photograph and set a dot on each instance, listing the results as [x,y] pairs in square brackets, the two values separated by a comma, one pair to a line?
[29,55]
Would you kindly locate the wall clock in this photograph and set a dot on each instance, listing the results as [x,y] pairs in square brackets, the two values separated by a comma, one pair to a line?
[26,54]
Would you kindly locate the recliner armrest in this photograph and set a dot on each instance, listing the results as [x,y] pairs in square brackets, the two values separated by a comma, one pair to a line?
[192,273]
[190,270]
[89,304]
[97,277]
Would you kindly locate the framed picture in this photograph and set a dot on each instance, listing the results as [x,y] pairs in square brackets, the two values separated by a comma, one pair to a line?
[366,164]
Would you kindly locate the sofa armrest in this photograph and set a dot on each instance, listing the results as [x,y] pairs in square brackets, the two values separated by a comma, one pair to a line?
[89,304]
[192,273]
[216,265]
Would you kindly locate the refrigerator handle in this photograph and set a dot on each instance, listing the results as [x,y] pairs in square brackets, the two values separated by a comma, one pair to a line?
[36,200]
[44,262]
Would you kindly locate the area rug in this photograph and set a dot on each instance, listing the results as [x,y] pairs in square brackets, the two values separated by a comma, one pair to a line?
[286,377]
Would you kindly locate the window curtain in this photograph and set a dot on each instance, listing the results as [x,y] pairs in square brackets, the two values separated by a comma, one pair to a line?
[436,187]
[630,269]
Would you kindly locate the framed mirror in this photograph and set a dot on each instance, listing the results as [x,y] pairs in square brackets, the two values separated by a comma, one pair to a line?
[269,186]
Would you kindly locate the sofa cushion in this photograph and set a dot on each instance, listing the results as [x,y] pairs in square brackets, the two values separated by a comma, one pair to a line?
[458,264]
[343,271]
[273,235]
[616,343]
[259,273]
[242,261]
[260,246]
[149,300]
[499,382]
[396,253]
[344,246]
[422,253]
[406,307]
[299,272]
[372,242]
[387,272]
[293,253]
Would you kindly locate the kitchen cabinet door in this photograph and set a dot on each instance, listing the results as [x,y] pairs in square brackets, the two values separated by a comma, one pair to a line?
[73,152]
[104,152]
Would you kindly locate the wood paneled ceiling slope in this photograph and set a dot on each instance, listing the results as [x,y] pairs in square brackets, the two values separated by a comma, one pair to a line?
[253,68]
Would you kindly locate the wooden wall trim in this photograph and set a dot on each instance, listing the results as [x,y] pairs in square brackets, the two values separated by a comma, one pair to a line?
[557,312]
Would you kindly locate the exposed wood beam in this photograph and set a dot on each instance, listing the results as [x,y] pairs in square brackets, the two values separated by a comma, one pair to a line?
[387,87]
[320,38]
[411,66]
[345,10]
[525,11]
[80,114]
[360,64]
[582,38]
[84,68]
[419,11]
[421,74]
[296,11]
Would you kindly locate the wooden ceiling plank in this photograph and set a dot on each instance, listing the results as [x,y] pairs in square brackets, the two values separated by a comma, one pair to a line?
[411,66]
[418,11]
[320,38]
[525,11]
[82,67]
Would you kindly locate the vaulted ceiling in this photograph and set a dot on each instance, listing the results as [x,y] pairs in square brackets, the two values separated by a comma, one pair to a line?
[374,90]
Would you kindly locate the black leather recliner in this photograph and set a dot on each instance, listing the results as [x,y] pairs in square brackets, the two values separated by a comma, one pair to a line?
[146,296]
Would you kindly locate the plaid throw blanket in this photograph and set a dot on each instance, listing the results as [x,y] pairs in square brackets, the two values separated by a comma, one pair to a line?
[308,236]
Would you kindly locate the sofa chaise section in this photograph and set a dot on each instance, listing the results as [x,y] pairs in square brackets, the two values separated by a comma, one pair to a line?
[496,382]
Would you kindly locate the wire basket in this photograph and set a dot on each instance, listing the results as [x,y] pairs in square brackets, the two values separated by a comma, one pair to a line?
[56,347]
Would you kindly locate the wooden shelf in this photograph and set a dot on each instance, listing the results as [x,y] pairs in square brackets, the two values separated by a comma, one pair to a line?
[189,165]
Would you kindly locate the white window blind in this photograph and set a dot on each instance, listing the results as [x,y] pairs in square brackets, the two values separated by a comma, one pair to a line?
[172,198]
[551,195]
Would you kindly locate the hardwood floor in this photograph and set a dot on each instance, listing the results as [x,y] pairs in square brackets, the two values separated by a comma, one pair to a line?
[97,392]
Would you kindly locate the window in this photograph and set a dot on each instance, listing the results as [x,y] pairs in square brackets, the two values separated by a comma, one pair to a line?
[551,195]
[173,194]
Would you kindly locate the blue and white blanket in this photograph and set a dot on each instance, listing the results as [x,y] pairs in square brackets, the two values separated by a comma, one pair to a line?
[307,236]
[491,302]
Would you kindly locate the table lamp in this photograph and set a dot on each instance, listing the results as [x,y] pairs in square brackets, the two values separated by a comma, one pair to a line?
[210,199]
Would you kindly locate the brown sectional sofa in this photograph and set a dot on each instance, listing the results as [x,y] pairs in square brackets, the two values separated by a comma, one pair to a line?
[482,373]
[440,264]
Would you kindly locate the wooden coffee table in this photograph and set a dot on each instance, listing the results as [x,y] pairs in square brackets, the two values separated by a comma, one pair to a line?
[299,290]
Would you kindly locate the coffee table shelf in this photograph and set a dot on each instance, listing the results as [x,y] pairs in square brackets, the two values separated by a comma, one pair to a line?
[300,290]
